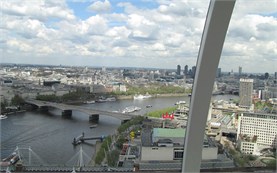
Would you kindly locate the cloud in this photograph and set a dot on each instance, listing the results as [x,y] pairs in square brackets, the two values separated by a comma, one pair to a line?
[167,33]
[40,10]
[100,7]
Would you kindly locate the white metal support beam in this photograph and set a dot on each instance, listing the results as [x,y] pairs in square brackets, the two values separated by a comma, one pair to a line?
[217,22]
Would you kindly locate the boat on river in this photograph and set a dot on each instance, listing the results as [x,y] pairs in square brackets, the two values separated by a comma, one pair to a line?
[130,109]
[140,97]
[180,102]
[90,102]
[2,117]
[93,126]
[109,99]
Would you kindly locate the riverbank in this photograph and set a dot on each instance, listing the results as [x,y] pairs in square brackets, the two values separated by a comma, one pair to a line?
[14,112]
[124,97]
[97,148]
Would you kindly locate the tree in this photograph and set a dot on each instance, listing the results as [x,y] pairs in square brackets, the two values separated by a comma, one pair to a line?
[4,104]
[17,100]
[113,157]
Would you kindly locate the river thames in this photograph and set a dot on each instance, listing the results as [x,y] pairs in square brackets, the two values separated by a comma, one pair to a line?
[50,136]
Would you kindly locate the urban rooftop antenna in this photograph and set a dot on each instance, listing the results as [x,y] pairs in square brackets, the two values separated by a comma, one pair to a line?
[217,21]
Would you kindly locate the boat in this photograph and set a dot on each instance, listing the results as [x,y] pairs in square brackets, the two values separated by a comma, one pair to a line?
[180,102]
[109,99]
[90,102]
[93,126]
[131,109]
[140,97]
[148,106]
[2,117]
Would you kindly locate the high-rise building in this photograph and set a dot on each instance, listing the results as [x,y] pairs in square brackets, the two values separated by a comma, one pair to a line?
[186,70]
[245,92]
[193,70]
[178,70]
[218,72]
[256,131]
[240,70]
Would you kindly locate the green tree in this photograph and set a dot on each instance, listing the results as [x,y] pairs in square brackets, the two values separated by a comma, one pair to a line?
[4,104]
[17,100]
[120,141]
[113,158]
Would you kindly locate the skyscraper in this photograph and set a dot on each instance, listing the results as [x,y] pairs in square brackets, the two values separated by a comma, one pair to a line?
[186,70]
[193,70]
[218,72]
[240,70]
[178,70]
[245,92]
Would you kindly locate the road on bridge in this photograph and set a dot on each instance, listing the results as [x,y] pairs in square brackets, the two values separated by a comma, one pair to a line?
[65,107]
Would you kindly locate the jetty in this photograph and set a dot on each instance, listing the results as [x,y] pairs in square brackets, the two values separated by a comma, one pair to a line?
[81,139]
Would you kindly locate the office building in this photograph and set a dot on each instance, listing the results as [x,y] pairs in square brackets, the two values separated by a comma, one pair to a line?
[218,72]
[240,71]
[186,70]
[193,71]
[248,144]
[257,129]
[245,92]
[178,70]
[163,144]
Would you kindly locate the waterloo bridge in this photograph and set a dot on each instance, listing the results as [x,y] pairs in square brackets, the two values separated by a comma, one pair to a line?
[67,110]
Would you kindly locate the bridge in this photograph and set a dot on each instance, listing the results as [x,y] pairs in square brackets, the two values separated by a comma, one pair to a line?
[67,110]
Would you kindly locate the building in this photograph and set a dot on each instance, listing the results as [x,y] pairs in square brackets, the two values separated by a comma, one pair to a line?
[262,125]
[245,92]
[162,144]
[248,144]
[178,70]
[186,70]
[240,71]
[193,71]
[218,72]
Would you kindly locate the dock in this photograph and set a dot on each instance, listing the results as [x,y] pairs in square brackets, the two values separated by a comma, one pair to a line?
[81,139]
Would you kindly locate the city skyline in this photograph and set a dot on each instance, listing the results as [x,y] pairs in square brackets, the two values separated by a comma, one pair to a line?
[151,34]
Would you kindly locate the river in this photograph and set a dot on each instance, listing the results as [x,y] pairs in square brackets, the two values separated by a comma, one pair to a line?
[50,136]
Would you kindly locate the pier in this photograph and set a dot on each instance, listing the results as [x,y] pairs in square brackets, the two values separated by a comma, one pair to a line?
[81,139]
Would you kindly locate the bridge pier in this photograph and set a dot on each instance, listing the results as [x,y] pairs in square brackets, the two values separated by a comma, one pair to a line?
[67,113]
[43,108]
[94,118]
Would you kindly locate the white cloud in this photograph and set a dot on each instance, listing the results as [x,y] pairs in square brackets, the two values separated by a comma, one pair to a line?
[19,45]
[100,6]
[168,33]
[40,10]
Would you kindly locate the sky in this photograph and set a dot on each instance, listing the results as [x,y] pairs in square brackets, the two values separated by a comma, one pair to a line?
[134,33]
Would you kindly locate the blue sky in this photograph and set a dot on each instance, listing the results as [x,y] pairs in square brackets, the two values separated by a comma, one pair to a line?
[159,34]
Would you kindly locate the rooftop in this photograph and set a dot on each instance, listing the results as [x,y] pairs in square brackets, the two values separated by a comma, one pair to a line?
[169,133]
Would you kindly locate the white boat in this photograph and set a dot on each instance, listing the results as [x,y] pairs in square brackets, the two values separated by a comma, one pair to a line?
[2,117]
[180,102]
[140,97]
[109,99]
[90,102]
[131,109]
[93,126]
